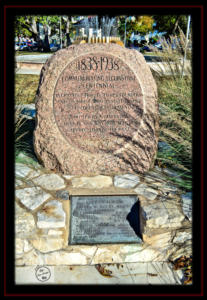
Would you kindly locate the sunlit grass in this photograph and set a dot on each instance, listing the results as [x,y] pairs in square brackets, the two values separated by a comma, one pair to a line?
[25,88]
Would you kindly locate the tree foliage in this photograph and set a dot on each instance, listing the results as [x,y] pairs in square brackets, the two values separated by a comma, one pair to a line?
[139,24]
[42,27]
[170,23]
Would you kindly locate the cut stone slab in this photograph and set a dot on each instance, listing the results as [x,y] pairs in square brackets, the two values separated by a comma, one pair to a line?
[50,182]
[24,222]
[32,197]
[162,215]
[64,195]
[138,272]
[181,237]
[162,273]
[66,258]
[21,246]
[106,255]
[161,240]
[187,205]
[51,216]
[96,182]
[66,274]
[110,119]
[130,273]
[117,273]
[127,253]
[145,191]
[126,181]
[31,258]
[21,170]
[28,275]
[147,254]
[47,244]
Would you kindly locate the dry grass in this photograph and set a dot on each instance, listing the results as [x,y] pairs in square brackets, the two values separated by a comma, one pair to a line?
[175,101]
[25,88]
[19,133]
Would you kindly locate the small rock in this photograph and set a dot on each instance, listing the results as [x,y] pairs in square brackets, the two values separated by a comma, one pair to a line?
[169,187]
[32,197]
[170,173]
[18,182]
[126,181]
[51,216]
[27,246]
[64,195]
[156,174]
[68,177]
[50,182]
[181,237]
[145,191]
[54,232]
[187,205]
[163,146]
[96,182]
[34,174]
[19,243]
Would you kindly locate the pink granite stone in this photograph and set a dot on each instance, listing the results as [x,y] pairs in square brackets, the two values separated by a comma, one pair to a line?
[97,111]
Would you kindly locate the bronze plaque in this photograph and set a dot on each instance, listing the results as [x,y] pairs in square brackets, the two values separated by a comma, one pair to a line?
[104,219]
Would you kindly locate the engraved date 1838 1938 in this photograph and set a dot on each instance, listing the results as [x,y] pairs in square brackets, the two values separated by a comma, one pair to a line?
[92,63]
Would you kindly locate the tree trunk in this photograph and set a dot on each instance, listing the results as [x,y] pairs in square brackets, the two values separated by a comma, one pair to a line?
[67,32]
[46,40]
[176,25]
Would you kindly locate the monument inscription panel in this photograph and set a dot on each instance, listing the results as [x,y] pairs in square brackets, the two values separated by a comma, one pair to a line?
[104,219]
[97,111]
[97,98]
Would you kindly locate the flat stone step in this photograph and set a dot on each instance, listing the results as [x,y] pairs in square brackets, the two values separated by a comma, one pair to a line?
[130,273]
